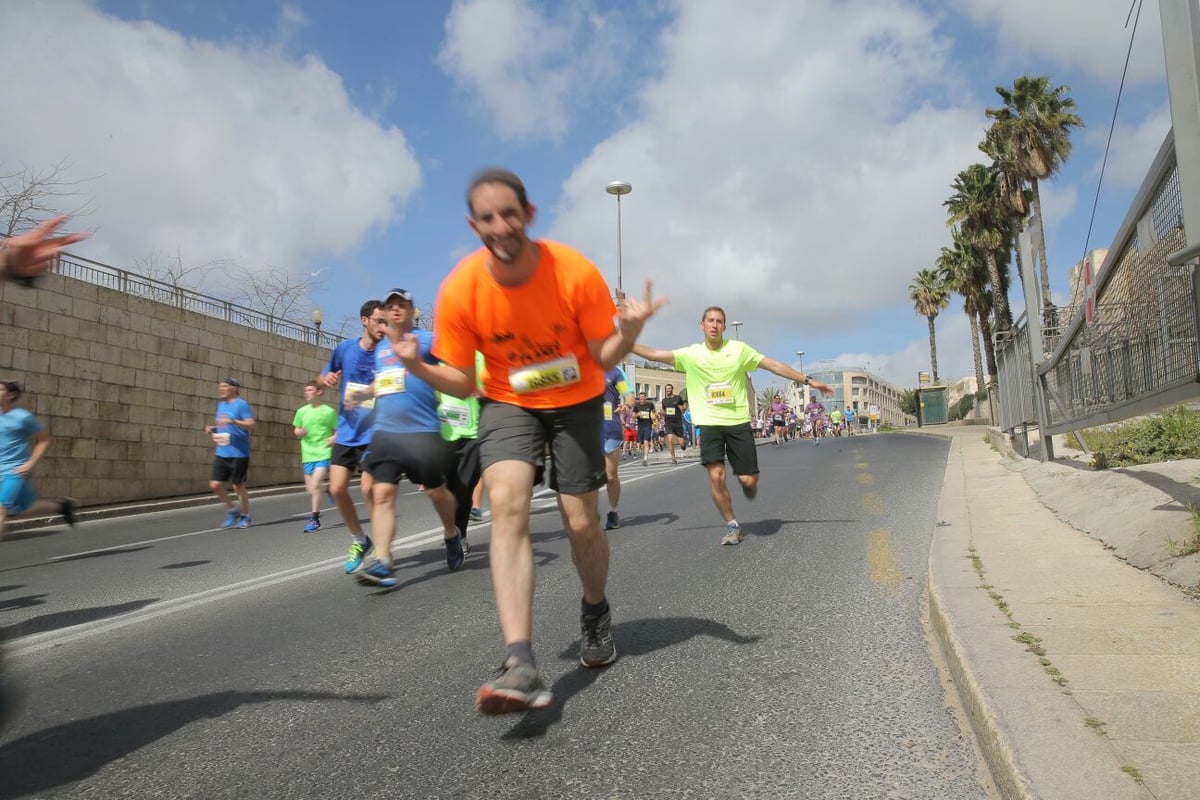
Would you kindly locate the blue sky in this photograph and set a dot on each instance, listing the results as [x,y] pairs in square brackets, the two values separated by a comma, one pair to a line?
[788,157]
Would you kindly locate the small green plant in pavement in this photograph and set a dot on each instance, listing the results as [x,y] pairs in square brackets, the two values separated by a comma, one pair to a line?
[1168,436]
[1096,725]
[1133,772]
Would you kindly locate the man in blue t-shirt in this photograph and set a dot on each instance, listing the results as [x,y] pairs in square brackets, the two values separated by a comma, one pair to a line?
[616,392]
[406,441]
[23,442]
[231,463]
[351,369]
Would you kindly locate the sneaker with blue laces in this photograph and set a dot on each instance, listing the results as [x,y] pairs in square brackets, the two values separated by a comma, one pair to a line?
[313,525]
[231,518]
[357,551]
[243,521]
[455,553]
[476,514]
[733,533]
[378,573]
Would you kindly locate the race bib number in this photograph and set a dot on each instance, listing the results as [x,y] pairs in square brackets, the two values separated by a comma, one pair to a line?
[670,411]
[547,375]
[719,394]
[220,439]
[352,397]
[607,411]
[390,381]
[456,415]
[643,415]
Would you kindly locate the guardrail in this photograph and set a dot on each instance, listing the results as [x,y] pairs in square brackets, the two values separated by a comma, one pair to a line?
[130,283]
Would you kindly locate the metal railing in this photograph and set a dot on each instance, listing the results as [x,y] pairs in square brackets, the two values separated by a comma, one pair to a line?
[1139,351]
[157,291]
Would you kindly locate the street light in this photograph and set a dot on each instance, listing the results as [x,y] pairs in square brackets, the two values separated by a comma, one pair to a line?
[619,188]
[317,319]
[737,323]
[801,354]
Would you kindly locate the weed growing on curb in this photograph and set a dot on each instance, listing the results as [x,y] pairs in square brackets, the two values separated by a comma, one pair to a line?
[1096,725]
[1134,773]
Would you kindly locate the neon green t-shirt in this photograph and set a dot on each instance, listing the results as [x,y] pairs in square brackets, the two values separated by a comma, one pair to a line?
[716,381]
[319,423]
[460,416]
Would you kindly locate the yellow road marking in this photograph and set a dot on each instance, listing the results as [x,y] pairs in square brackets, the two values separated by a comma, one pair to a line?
[881,559]
[865,478]
[873,504]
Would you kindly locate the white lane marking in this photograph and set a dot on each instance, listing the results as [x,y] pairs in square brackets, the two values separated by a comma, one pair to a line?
[38,642]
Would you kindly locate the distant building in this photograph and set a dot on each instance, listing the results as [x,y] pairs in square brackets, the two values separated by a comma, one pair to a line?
[853,387]
[651,379]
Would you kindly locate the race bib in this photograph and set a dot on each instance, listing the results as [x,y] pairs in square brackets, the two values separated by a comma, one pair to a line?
[719,394]
[547,375]
[643,415]
[670,411]
[607,411]
[390,381]
[455,414]
[220,439]
[350,397]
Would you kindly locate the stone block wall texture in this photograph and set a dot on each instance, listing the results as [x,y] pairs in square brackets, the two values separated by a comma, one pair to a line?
[125,387]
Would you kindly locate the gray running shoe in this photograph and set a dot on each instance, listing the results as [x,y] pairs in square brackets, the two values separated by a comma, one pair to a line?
[597,648]
[733,534]
[612,521]
[517,688]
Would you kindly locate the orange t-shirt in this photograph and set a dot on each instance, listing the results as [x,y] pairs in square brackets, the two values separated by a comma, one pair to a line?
[534,336]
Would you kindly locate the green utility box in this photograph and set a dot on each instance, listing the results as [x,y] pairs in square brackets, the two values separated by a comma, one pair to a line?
[931,405]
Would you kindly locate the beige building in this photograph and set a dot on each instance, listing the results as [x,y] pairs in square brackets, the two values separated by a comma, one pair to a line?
[651,379]
[853,387]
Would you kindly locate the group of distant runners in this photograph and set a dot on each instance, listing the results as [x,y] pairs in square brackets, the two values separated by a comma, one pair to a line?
[519,377]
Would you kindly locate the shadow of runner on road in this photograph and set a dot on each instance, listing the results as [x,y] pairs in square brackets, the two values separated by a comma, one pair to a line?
[637,638]
[65,619]
[75,750]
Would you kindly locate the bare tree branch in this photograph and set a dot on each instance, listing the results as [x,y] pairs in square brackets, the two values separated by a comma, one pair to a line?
[29,197]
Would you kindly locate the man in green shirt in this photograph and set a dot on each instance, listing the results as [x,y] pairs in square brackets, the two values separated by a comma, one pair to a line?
[314,425]
[720,404]
[460,428]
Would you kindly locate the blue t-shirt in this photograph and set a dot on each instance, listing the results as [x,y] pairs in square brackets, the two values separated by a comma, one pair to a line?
[238,443]
[358,372]
[17,427]
[404,403]
[616,386]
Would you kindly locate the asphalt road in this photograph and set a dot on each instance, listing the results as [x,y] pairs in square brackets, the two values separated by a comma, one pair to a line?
[164,657]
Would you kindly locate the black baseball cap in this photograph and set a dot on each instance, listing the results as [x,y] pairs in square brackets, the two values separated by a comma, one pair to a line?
[231,381]
[11,386]
[403,294]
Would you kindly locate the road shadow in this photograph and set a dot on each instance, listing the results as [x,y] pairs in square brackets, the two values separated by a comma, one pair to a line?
[28,601]
[185,564]
[65,619]
[665,518]
[636,638]
[76,750]
[476,560]
[35,533]
[100,554]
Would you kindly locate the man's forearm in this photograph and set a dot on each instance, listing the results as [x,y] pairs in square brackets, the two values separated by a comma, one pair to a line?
[445,378]
[615,348]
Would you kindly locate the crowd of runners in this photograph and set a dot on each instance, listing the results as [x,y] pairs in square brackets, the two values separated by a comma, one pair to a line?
[519,383]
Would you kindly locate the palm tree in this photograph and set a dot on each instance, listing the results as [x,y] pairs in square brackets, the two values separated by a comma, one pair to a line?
[965,273]
[930,295]
[978,208]
[1034,129]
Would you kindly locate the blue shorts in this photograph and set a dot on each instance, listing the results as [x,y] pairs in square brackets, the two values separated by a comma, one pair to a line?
[312,466]
[613,445]
[16,493]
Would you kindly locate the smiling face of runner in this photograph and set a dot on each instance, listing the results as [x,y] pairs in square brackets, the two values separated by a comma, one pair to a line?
[500,219]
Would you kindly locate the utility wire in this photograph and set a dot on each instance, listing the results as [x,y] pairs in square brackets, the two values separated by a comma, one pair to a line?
[1113,126]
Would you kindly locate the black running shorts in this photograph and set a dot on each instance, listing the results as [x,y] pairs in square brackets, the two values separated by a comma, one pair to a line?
[512,433]
[733,441]
[421,457]
[348,456]
[230,470]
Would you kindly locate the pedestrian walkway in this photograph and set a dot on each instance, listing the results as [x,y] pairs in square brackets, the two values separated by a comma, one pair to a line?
[1080,673]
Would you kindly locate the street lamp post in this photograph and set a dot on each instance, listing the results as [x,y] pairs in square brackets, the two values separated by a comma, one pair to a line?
[317,319]
[619,188]
[736,324]
[800,353]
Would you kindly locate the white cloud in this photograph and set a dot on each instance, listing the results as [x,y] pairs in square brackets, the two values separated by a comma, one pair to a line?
[785,166]
[526,70]
[1087,35]
[1134,147]
[209,150]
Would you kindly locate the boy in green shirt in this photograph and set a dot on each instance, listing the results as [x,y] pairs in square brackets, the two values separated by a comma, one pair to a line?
[720,403]
[314,425]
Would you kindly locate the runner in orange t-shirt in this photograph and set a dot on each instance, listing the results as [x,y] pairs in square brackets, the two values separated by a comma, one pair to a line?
[541,315]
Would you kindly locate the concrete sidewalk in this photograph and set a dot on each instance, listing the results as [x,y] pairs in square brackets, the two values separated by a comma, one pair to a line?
[1080,673]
